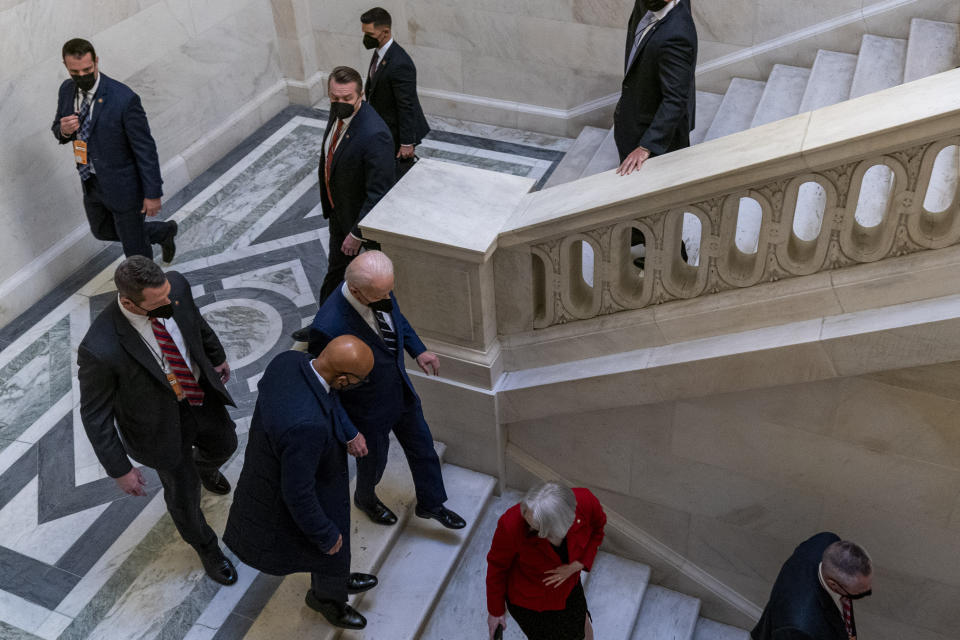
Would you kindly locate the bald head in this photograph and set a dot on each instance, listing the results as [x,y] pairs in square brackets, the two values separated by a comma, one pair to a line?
[344,362]
[369,272]
[848,565]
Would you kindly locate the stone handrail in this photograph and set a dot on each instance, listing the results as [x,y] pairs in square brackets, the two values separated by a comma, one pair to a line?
[478,256]
[880,173]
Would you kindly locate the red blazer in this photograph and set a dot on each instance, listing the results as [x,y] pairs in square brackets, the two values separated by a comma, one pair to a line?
[519,558]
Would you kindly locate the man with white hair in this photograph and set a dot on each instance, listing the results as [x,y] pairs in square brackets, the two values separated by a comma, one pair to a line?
[813,596]
[364,306]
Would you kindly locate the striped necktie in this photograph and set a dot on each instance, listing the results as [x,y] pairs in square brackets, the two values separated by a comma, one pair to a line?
[648,19]
[389,335]
[848,616]
[86,124]
[191,389]
[373,65]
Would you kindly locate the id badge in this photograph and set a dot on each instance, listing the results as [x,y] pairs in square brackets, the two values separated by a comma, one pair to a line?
[80,151]
[175,385]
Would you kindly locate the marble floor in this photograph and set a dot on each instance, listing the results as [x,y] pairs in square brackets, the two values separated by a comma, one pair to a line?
[77,558]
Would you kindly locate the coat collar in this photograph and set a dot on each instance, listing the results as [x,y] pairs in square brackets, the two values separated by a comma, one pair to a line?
[100,97]
[356,124]
[646,40]
[133,343]
[360,328]
[372,84]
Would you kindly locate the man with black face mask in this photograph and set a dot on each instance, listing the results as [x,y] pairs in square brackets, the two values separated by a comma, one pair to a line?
[364,306]
[115,155]
[813,596]
[152,375]
[655,114]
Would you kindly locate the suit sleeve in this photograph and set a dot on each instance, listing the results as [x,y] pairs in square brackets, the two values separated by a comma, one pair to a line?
[301,451]
[790,633]
[598,520]
[211,343]
[677,66]
[379,169]
[144,148]
[98,385]
[404,81]
[412,343]
[56,122]
[499,562]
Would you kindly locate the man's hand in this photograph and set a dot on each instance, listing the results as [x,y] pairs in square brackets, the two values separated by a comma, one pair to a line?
[336,547]
[69,125]
[151,207]
[132,483]
[224,371]
[351,245]
[406,151]
[496,621]
[429,363]
[556,577]
[634,161]
[358,446]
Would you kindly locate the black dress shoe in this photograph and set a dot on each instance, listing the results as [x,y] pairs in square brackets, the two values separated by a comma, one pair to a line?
[360,582]
[339,614]
[444,516]
[169,245]
[215,483]
[218,566]
[378,512]
[301,335]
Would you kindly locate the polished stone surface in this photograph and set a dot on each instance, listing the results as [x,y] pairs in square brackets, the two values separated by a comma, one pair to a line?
[80,560]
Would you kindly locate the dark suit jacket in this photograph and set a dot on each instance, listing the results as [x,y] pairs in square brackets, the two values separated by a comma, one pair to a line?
[799,607]
[361,173]
[393,93]
[389,391]
[123,388]
[121,148]
[658,100]
[292,499]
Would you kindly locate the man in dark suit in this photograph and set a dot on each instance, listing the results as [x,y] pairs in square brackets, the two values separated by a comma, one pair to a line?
[356,170]
[364,306]
[291,509]
[658,100]
[115,154]
[813,596]
[152,376]
[391,87]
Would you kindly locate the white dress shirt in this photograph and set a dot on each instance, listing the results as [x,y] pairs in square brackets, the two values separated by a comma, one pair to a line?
[365,312]
[382,51]
[343,134]
[823,583]
[78,103]
[145,329]
[326,385]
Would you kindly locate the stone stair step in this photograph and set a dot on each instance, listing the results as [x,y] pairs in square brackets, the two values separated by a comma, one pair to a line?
[463,605]
[711,630]
[614,595]
[707,106]
[737,109]
[879,66]
[666,615]
[933,47]
[606,158]
[782,96]
[421,562]
[830,80]
[577,158]
[286,615]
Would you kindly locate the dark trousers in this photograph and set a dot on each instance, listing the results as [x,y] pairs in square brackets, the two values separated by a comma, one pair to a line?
[332,584]
[130,228]
[209,439]
[337,262]
[414,436]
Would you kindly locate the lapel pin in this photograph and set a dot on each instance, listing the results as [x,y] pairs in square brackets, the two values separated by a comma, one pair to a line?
[100,100]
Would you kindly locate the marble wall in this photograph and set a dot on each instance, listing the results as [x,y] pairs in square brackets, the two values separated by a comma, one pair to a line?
[733,482]
[208,73]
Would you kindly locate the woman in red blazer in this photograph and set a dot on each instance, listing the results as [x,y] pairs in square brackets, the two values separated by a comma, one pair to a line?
[535,559]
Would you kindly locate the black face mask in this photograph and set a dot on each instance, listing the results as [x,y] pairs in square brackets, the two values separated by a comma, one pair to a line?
[386,306]
[860,596]
[655,5]
[163,311]
[86,82]
[341,110]
[370,42]
[351,385]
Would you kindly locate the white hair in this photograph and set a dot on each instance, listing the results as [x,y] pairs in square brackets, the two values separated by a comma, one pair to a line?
[552,509]
[367,268]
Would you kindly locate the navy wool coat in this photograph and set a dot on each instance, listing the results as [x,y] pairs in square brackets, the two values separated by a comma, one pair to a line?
[292,499]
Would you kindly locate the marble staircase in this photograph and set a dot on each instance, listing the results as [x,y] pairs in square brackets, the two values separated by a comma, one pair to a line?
[932,47]
[432,580]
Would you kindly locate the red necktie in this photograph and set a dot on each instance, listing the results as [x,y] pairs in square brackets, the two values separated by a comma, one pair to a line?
[848,615]
[329,162]
[191,390]
[373,64]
